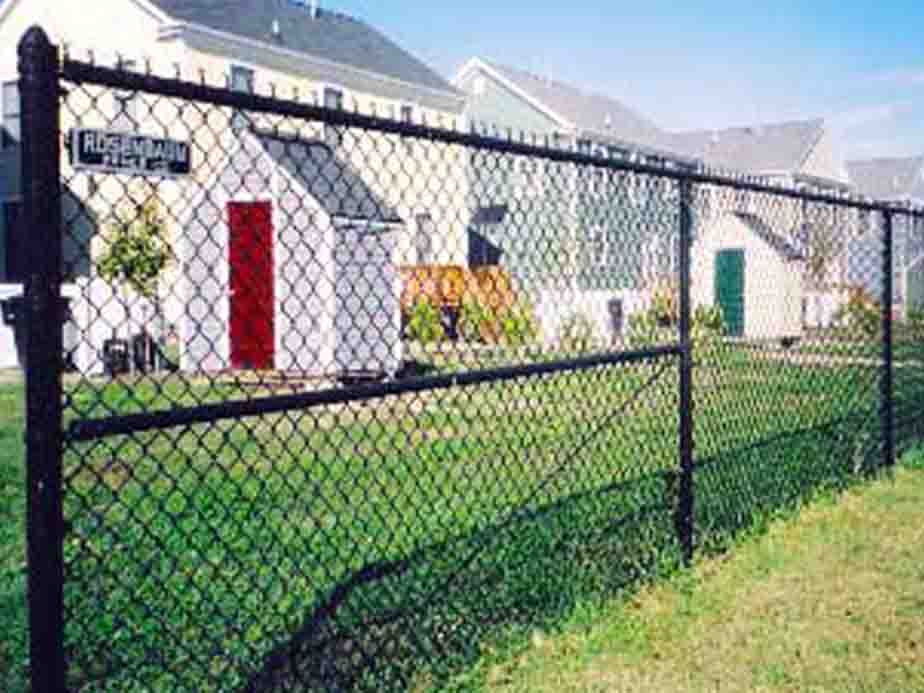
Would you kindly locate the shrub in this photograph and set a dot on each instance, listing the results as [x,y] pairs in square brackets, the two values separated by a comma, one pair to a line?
[665,301]
[578,333]
[860,313]
[648,329]
[518,325]
[477,321]
[424,323]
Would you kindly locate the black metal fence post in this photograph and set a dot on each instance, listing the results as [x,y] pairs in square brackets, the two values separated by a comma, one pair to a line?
[886,385]
[684,518]
[41,176]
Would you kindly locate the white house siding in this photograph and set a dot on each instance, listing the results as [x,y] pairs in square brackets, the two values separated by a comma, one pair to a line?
[335,292]
[367,323]
[414,177]
[399,172]
[772,286]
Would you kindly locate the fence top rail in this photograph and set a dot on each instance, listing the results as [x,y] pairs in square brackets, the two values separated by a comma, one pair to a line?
[80,72]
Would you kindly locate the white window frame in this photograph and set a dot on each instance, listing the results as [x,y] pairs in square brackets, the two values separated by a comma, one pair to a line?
[239,118]
[333,134]
[10,141]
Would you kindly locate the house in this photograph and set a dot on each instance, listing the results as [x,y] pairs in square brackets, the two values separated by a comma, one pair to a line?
[809,241]
[754,275]
[544,221]
[898,180]
[296,50]
[617,231]
[311,275]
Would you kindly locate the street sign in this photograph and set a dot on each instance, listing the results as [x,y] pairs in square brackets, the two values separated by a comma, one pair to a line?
[128,153]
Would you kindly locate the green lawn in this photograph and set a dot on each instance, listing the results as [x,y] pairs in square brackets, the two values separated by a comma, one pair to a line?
[417,536]
[829,600]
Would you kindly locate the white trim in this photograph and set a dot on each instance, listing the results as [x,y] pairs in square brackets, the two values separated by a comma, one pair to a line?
[477,63]
[152,10]
[143,5]
[184,30]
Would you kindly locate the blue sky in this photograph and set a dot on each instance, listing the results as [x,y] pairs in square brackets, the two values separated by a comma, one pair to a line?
[698,65]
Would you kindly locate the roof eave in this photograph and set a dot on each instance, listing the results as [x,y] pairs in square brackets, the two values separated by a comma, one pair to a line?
[477,63]
[439,99]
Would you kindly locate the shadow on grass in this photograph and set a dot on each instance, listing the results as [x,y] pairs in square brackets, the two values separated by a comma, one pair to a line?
[415,622]
[421,619]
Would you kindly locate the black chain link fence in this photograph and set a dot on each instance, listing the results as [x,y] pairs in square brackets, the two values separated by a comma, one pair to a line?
[354,402]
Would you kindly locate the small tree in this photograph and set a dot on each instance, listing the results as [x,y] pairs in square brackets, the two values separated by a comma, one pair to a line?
[137,252]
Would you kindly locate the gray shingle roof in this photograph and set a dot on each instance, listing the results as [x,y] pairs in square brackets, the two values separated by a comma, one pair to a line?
[774,147]
[589,112]
[331,36]
[339,190]
[887,179]
[763,230]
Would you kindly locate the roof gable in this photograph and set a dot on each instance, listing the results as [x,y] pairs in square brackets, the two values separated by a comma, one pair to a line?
[328,35]
[588,113]
[336,186]
[765,232]
[769,148]
[888,178]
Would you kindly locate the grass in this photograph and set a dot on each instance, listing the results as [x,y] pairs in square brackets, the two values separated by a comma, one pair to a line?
[393,545]
[828,600]
[12,541]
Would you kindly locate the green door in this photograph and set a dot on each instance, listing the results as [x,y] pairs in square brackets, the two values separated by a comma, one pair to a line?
[729,289]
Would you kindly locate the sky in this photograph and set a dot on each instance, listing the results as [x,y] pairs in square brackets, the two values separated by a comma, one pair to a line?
[702,65]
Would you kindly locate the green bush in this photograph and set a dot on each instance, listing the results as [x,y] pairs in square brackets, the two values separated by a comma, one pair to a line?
[518,325]
[477,321]
[578,333]
[859,314]
[648,329]
[423,323]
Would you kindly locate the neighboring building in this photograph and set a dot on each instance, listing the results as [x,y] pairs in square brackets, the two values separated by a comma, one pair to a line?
[617,231]
[555,226]
[290,48]
[899,180]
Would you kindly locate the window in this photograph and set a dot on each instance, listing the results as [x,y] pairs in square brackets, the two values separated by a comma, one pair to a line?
[242,80]
[599,247]
[125,104]
[11,122]
[423,239]
[14,268]
[407,116]
[333,99]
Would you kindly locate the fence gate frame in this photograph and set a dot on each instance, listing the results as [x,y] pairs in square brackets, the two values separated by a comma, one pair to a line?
[40,81]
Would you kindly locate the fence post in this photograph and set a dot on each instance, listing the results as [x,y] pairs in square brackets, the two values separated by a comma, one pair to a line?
[684,511]
[43,313]
[886,392]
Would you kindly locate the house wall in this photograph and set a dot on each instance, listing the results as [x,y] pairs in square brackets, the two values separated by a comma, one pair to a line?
[825,161]
[302,260]
[415,178]
[772,287]
[498,105]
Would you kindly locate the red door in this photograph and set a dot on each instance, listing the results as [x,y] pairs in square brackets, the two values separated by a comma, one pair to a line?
[251,259]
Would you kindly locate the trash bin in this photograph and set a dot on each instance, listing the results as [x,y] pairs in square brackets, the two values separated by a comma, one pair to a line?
[143,353]
[115,357]
[14,315]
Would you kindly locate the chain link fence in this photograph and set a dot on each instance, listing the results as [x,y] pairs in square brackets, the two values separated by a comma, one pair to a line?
[351,402]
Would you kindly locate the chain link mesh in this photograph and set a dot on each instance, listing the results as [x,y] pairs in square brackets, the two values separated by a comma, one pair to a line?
[435,442]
